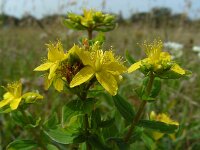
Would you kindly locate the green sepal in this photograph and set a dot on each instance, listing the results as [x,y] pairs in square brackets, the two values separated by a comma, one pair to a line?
[158,126]
[124,108]
[173,75]
[22,145]
[73,25]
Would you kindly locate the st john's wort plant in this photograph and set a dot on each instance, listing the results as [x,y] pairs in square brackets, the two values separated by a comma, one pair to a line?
[87,70]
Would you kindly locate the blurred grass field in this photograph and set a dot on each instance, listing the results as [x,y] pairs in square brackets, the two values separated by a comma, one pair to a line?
[23,47]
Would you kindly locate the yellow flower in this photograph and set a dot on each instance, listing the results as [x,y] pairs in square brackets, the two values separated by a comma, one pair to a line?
[156,61]
[165,119]
[103,65]
[13,96]
[56,57]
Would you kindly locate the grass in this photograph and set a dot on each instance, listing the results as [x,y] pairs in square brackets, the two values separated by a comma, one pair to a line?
[21,50]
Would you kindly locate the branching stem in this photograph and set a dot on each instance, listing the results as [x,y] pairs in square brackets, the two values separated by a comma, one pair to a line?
[140,110]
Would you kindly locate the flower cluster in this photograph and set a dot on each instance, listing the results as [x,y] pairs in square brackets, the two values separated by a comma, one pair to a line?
[90,20]
[157,61]
[88,63]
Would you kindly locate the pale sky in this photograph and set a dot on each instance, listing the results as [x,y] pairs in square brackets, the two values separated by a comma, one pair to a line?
[41,8]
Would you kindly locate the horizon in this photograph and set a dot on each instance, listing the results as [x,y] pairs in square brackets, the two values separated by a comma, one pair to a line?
[40,9]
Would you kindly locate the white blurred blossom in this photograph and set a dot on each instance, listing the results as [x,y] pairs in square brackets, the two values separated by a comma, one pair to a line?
[196,49]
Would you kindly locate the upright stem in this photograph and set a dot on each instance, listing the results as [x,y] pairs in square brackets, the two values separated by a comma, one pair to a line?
[86,118]
[90,34]
[140,110]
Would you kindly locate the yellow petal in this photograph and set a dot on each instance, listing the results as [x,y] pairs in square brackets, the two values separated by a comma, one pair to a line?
[82,76]
[44,66]
[176,68]
[115,68]
[165,56]
[58,84]
[84,57]
[47,82]
[52,70]
[74,49]
[157,135]
[55,52]
[172,136]
[15,103]
[134,66]
[108,81]
[152,115]
[8,95]
[4,102]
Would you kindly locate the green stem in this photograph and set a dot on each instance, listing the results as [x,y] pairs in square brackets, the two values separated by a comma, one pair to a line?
[84,96]
[140,110]
[89,34]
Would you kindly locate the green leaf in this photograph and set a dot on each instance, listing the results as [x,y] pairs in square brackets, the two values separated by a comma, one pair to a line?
[34,125]
[107,123]
[158,126]
[18,118]
[129,58]
[100,37]
[95,141]
[125,109]
[61,135]
[173,75]
[22,145]
[52,122]
[141,92]
[136,134]
[76,107]
[119,142]
[95,118]
[80,138]
[148,141]
[51,147]
[156,87]
[5,109]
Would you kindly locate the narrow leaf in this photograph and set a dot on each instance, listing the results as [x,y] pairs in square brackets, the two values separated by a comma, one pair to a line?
[22,145]
[158,126]
[125,109]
